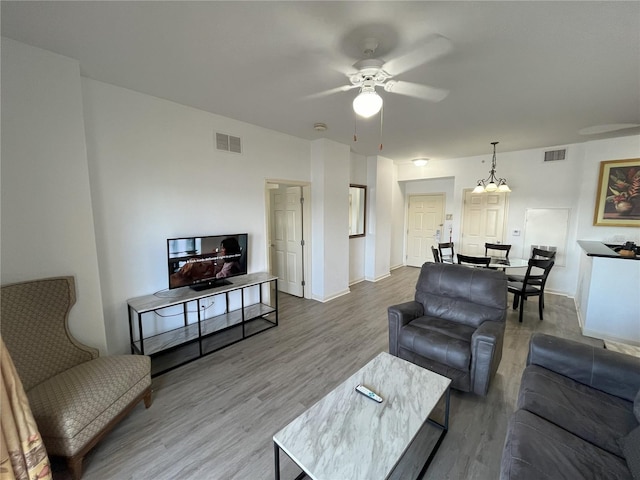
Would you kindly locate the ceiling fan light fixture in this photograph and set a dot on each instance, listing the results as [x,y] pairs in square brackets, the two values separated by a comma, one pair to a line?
[420,162]
[367,103]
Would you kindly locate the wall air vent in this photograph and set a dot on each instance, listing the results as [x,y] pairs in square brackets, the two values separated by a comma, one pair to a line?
[555,155]
[228,143]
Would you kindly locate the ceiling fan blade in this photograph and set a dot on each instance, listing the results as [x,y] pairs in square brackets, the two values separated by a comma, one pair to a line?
[433,47]
[326,93]
[417,90]
[611,127]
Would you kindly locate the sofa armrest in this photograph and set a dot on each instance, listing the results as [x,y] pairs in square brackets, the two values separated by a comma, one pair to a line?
[399,315]
[486,353]
[611,372]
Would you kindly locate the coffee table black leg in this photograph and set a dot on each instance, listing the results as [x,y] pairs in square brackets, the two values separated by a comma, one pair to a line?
[276,460]
[444,429]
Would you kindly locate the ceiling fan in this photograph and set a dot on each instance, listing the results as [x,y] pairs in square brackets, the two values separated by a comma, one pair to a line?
[372,72]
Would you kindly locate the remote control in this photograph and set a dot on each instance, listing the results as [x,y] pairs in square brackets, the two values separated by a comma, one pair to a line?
[368,393]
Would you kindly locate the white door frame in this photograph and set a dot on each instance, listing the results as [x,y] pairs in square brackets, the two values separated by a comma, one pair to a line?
[306,228]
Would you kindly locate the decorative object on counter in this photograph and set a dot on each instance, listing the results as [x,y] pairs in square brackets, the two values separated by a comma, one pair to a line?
[492,183]
[618,194]
[628,250]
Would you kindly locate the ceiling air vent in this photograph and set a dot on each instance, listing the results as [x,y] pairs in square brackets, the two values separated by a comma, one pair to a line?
[555,155]
[228,143]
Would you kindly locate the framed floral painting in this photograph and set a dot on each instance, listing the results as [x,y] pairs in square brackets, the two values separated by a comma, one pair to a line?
[618,195]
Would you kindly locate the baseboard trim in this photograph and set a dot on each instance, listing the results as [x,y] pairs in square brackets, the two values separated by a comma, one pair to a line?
[332,297]
[377,279]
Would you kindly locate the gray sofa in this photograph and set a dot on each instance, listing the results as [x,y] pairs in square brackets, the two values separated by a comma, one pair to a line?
[455,324]
[575,416]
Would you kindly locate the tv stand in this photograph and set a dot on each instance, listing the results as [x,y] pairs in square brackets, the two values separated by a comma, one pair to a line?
[183,324]
[199,287]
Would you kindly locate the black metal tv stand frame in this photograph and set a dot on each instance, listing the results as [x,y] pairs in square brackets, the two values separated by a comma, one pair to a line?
[250,307]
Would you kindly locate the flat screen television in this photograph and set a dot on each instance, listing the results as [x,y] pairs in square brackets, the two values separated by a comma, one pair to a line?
[207,261]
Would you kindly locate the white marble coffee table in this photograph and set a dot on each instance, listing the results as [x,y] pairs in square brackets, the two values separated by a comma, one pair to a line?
[348,436]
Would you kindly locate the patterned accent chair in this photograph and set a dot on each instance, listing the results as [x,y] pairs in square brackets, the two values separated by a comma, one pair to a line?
[76,396]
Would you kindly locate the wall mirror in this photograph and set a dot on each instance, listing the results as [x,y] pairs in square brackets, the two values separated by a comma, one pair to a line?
[357,210]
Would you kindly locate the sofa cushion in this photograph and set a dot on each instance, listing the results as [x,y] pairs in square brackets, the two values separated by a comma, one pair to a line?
[590,414]
[631,448]
[445,342]
[536,449]
[75,405]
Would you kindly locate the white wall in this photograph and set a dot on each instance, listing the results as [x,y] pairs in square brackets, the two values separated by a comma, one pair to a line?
[330,223]
[397,258]
[47,221]
[380,175]
[155,174]
[535,184]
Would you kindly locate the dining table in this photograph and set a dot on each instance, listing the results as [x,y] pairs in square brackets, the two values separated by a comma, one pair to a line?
[501,262]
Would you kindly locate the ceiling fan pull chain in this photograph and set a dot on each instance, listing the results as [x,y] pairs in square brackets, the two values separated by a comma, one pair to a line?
[355,127]
[381,122]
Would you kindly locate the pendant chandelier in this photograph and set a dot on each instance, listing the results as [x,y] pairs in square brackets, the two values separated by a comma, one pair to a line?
[492,183]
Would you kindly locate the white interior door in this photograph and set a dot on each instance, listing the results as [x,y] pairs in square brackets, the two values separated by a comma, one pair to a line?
[425,217]
[483,220]
[286,238]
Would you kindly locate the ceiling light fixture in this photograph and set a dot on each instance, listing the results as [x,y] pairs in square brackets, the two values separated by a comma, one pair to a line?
[492,183]
[368,102]
[420,162]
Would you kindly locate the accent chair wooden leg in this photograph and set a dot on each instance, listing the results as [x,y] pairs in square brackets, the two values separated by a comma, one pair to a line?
[75,466]
[147,398]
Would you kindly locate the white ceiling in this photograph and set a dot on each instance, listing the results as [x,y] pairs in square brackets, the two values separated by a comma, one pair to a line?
[528,74]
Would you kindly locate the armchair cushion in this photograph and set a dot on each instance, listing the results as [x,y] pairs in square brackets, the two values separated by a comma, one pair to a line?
[439,340]
[74,406]
[462,294]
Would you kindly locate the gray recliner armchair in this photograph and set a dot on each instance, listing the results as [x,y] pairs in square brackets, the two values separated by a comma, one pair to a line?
[455,325]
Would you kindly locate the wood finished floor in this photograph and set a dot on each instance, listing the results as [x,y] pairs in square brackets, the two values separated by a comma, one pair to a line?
[214,418]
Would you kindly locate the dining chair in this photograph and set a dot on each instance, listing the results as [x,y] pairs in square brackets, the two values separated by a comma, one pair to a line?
[436,255]
[448,255]
[535,278]
[503,248]
[475,261]
[530,287]
[545,254]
